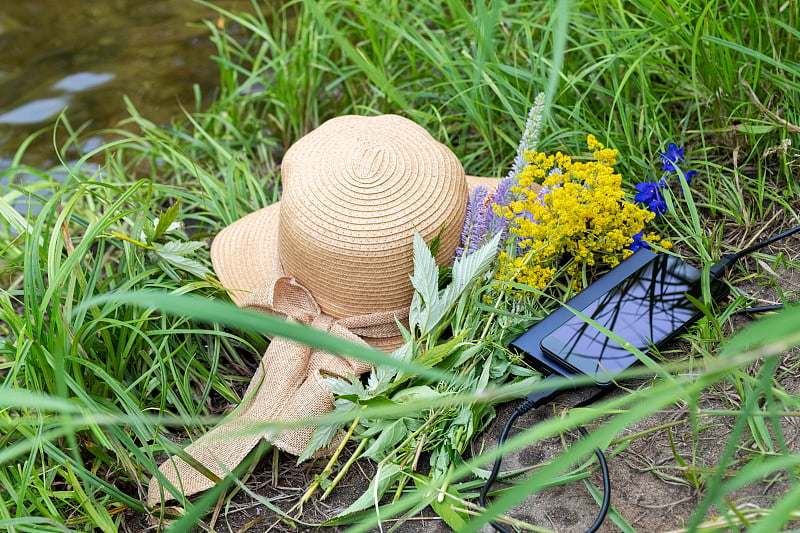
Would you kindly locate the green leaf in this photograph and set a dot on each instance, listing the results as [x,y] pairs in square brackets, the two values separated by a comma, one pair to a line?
[468,354]
[443,506]
[346,386]
[184,263]
[434,356]
[426,284]
[173,253]
[429,306]
[377,401]
[384,477]
[755,129]
[420,392]
[467,268]
[165,220]
[178,247]
[466,271]
[322,437]
[386,440]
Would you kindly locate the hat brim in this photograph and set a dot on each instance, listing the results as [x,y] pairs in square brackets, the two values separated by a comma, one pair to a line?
[245,254]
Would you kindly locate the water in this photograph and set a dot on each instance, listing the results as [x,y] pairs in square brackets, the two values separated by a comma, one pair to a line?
[84,55]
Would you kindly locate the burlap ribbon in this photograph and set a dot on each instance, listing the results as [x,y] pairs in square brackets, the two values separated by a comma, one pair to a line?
[288,386]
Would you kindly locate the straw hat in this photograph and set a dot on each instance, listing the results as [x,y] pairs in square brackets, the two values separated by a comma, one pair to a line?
[334,253]
[354,190]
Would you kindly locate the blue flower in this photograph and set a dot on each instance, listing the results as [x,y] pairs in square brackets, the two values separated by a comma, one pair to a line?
[671,157]
[689,175]
[658,206]
[638,243]
[647,191]
[650,194]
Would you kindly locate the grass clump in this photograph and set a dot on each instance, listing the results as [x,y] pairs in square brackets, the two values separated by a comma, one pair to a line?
[96,382]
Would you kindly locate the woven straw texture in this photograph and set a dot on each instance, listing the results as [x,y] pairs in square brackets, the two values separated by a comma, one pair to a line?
[336,254]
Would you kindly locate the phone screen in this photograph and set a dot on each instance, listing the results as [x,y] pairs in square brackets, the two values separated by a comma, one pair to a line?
[646,309]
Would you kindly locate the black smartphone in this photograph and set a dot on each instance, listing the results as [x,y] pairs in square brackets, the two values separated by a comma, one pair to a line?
[647,309]
[646,303]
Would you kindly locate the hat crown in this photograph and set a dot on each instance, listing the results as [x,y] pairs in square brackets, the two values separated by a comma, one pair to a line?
[367,162]
[355,189]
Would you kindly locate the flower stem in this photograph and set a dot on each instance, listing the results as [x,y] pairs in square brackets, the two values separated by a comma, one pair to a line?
[353,458]
[328,467]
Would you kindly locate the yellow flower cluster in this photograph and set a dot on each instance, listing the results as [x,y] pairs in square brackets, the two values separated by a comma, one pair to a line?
[578,218]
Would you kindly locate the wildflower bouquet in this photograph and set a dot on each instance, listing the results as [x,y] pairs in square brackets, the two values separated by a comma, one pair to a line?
[564,220]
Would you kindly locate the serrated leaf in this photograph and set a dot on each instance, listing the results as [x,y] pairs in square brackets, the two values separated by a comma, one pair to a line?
[426,273]
[466,271]
[380,379]
[467,268]
[322,437]
[184,263]
[164,222]
[178,247]
[346,386]
[425,280]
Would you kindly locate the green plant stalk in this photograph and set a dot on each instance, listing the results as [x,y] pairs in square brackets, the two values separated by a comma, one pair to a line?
[330,464]
[345,468]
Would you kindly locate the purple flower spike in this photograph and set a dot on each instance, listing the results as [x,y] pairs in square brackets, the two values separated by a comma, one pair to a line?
[502,194]
[474,230]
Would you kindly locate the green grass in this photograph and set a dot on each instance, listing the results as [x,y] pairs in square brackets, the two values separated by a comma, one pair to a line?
[94,380]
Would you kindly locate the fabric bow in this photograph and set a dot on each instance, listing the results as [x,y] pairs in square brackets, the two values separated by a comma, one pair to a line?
[288,386]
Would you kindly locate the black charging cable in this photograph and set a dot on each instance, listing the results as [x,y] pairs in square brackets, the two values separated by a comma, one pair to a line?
[533,401]
[726,261]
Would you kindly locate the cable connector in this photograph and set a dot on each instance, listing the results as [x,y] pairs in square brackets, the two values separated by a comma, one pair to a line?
[538,398]
[722,265]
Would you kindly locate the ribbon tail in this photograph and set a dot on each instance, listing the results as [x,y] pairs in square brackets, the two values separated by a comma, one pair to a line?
[217,451]
[283,369]
[312,398]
